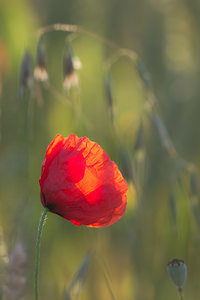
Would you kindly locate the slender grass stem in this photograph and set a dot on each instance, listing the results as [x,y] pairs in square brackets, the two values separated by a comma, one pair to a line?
[76,29]
[37,255]
[151,105]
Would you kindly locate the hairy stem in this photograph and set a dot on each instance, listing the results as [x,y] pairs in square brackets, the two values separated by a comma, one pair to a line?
[37,255]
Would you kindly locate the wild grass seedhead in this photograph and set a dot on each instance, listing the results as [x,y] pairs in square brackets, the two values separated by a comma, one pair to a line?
[15,278]
[26,74]
[40,72]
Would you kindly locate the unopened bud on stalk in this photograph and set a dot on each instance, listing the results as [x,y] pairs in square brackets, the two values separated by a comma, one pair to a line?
[40,72]
[26,78]
[177,271]
[70,65]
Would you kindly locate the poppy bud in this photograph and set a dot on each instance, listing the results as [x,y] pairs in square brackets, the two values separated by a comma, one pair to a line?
[80,183]
[40,72]
[26,78]
[177,271]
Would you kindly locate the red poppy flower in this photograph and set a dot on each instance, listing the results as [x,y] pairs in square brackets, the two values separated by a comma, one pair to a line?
[80,183]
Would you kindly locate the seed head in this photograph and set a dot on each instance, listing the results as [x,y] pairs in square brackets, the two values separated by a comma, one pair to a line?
[40,72]
[15,279]
[177,271]
[70,65]
[26,78]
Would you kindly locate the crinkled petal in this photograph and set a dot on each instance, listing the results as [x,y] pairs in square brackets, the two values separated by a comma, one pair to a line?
[80,183]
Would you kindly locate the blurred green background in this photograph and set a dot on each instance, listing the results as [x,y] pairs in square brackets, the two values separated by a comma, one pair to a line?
[161,157]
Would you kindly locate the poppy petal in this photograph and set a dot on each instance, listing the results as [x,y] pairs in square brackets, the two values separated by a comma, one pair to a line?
[80,183]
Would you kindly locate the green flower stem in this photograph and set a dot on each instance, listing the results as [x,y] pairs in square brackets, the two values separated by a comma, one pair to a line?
[181,293]
[37,255]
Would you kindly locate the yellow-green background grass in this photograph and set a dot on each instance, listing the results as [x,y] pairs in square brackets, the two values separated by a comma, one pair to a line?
[133,253]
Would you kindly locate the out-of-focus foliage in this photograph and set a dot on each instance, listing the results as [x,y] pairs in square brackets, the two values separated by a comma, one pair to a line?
[160,158]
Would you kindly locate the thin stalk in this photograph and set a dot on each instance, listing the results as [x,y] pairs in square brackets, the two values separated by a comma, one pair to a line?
[37,255]
[181,293]
[76,29]
[151,102]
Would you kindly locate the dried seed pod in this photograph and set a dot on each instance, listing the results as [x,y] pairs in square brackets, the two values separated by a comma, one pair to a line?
[15,279]
[26,78]
[40,72]
[177,271]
